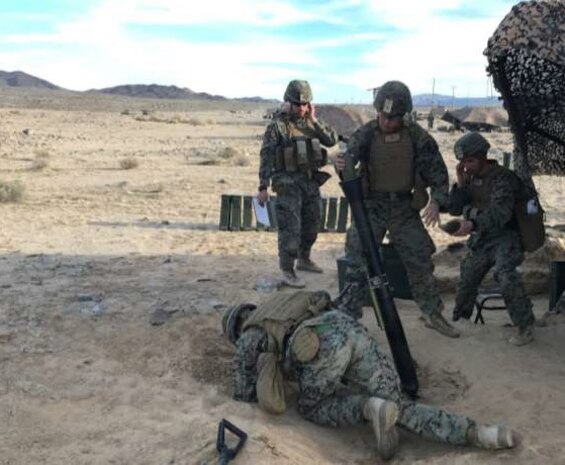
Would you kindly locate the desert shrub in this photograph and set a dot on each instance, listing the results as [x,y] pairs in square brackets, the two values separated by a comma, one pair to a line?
[228,152]
[210,121]
[195,122]
[128,163]
[125,112]
[242,160]
[11,191]
[178,118]
[42,154]
[39,164]
[208,162]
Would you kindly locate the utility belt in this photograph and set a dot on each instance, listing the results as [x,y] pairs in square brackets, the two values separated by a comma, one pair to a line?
[391,196]
[303,154]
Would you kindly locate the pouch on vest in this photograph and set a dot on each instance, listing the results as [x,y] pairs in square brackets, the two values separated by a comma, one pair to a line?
[289,159]
[317,154]
[279,159]
[304,344]
[420,196]
[529,217]
[301,152]
[270,384]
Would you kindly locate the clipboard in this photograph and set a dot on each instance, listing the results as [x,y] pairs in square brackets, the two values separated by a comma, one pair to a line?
[261,213]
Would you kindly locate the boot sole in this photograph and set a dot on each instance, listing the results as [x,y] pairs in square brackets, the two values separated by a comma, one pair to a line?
[294,286]
[309,270]
[385,430]
[451,335]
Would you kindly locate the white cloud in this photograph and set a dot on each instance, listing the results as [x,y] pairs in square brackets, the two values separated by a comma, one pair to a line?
[98,50]
[430,46]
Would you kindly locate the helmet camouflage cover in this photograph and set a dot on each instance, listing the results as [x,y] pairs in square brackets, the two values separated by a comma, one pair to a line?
[233,319]
[298,92]
[393,99]
[471,144]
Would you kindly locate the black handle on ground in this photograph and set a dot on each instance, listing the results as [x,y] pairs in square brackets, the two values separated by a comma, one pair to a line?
[227,454]
[378,281]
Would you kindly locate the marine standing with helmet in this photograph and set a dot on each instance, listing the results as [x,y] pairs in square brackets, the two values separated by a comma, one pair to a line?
[486,195]
[397,160]
[291,156]
[343,376]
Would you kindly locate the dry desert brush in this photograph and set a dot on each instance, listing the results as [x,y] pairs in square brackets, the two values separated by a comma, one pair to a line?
[11,191]
[129,163]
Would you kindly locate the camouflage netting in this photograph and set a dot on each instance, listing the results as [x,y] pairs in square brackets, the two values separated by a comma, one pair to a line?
[526,57]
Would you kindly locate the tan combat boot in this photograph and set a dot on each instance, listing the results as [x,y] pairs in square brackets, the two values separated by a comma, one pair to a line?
[383,414]
[305,264]
[439,323]
[524,336]
[290,279]
[491,437]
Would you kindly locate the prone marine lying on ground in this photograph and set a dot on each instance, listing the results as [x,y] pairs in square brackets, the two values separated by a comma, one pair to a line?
[301,337]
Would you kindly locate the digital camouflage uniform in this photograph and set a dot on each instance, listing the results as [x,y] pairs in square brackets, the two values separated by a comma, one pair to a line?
[298,203]
[494,243]
[348,357]
[394,213]
[560,304]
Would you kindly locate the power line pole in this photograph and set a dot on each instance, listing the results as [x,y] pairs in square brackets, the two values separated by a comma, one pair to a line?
[452,96]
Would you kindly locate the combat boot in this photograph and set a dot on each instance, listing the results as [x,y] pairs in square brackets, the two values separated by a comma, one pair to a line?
[305,264]
[383,414]
[491,437]
[439,323]
[290,279]
[524,336]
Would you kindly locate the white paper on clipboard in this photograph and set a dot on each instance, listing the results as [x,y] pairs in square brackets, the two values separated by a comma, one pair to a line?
[261,213]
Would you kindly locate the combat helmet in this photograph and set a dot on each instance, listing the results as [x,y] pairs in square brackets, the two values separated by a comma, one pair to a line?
[393,99]
[471,144]
[233,319]
[297,92]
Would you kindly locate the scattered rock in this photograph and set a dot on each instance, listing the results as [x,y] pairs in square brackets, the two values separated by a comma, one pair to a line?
[159,317]
[88,304]
[266,284]
[89,298]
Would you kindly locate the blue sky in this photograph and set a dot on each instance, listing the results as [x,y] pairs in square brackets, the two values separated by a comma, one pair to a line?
[242,48]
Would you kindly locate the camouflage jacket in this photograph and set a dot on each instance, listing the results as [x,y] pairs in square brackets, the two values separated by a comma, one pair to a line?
[428,161]
[276,134]
[498,216]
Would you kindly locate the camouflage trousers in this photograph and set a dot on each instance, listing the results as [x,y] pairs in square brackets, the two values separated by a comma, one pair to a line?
[503,254]
[350,368]
[413,244]
[560,304]
[298,210]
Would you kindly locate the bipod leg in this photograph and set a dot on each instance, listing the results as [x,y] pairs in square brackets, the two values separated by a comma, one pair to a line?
[227,454]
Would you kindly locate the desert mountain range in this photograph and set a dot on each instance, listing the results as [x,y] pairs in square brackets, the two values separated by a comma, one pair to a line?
[158,91]
[22,79]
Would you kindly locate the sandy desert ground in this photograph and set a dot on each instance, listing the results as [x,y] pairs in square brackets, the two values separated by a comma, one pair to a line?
[93,250]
